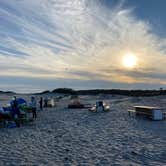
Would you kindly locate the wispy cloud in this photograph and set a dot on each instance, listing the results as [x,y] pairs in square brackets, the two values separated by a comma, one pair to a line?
[77,38]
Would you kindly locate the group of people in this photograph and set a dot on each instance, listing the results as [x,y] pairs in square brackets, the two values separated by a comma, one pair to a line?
[43,102]
[33,105]
[16,110]
[46,102]
[15,113]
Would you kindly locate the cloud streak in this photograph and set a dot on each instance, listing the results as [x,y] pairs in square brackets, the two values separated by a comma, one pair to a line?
[59,39]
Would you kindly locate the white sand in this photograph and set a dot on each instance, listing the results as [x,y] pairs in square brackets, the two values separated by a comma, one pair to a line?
[77,137]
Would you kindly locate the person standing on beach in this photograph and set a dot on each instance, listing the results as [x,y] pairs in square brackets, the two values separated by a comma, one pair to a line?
[15,111]
[33,105]
[41,103]
[45,102]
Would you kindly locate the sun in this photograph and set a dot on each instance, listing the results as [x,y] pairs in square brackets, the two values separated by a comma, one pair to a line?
[129,60]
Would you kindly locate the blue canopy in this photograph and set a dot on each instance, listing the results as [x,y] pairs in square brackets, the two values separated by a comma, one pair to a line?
[20,101]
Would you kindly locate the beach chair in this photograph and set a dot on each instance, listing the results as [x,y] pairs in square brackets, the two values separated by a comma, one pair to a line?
[100,107]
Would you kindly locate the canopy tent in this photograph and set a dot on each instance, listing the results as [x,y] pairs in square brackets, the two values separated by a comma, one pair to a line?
[20,101]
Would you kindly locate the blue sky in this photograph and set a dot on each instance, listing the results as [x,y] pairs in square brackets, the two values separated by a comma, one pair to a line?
[46,44]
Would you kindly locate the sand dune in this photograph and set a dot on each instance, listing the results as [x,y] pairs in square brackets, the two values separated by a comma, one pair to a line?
[62,136]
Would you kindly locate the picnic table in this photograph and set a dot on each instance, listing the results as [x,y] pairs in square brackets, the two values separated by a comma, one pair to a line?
[154,113]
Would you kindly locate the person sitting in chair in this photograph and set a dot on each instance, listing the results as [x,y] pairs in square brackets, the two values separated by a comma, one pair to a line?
[99,106]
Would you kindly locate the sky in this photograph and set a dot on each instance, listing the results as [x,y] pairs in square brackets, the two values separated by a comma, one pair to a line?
[80,44]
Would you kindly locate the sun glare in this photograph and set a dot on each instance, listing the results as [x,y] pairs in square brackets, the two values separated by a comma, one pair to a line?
[129,60]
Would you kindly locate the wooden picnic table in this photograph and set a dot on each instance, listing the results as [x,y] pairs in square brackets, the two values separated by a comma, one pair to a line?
[154,113]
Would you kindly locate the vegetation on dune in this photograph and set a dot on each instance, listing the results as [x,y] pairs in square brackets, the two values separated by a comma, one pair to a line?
[70,91]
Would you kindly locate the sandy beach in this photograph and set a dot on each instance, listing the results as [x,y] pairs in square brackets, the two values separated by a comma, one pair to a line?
[77,137]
